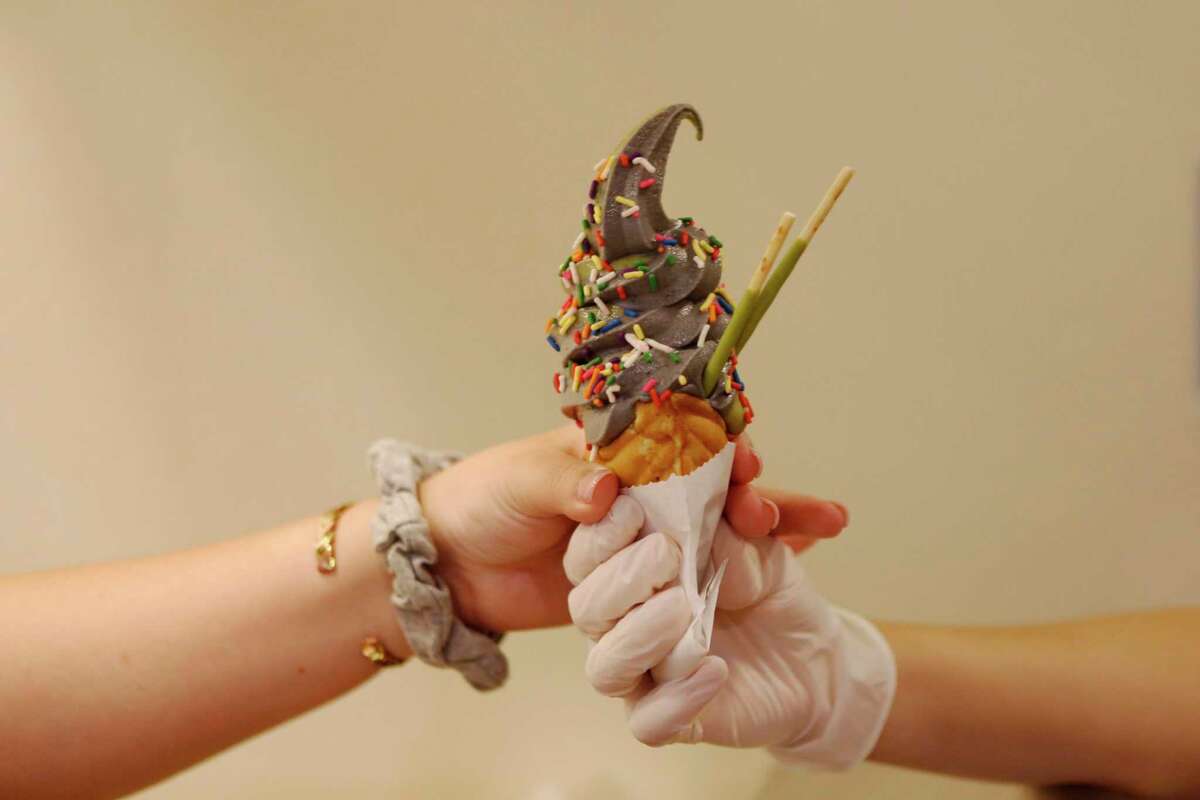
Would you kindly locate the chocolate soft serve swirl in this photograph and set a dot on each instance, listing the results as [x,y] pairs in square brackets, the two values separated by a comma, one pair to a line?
[643,313]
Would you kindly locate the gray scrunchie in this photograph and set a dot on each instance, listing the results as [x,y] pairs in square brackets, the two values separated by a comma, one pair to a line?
[421,599]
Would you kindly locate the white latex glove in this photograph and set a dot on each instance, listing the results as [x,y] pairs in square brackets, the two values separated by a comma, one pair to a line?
[787,670]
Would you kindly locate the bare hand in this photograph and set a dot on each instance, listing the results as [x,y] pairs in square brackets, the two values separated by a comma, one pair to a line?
[501,519]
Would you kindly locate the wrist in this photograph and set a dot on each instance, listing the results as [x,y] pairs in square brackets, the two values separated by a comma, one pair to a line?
[439,509]
[367,583]
[861,687]
[423,600]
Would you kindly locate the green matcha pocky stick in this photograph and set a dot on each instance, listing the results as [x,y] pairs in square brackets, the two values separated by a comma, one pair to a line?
[765,285]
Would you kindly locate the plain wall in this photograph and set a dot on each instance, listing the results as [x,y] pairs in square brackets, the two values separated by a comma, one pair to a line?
[240,241]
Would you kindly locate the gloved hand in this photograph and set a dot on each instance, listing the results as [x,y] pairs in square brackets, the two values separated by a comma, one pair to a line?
[786,671]
[501,518]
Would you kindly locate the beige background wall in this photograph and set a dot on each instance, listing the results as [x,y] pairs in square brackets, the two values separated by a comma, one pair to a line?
[237,241]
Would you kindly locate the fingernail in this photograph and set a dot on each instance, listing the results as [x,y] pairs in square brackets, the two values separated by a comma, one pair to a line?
[587,486]
[774,513]
[845,512]
[758,464]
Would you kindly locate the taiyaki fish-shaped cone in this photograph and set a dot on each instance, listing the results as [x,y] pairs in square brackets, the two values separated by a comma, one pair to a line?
[675,437]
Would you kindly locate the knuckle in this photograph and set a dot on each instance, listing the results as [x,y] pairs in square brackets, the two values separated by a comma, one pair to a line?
[664,551]
[676,602]
[602,674]
[626,513]
[577,606]
[646,735]
[613,534]
[577,561]
[581,604]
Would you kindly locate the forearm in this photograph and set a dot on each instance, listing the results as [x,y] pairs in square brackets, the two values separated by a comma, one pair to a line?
[1112,702]
[118,675]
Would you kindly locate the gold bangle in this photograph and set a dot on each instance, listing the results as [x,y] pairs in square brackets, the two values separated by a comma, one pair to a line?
[326,553]
[372,649]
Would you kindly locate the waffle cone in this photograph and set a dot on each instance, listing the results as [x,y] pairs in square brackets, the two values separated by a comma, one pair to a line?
[674,437]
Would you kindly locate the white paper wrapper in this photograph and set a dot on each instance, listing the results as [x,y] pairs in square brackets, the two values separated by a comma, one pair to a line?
[687,508]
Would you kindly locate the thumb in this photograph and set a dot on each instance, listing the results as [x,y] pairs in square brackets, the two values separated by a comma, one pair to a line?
[670,711]
[552,482]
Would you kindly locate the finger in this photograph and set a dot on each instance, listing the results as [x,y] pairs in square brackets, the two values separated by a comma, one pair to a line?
[640,640]
[753,567]
[545,481]
[749,514]
[808,516]
[594,543]
[747,464]
[668,712]
[644,686]
[624,581]
[797,543]
[567,438]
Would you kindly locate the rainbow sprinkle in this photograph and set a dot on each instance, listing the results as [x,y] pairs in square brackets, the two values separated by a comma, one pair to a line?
[644,164]
[585,315]
[608,165]
[657,345]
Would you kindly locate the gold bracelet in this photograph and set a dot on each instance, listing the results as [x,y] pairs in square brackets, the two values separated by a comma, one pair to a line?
[372,649]
[326,555]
